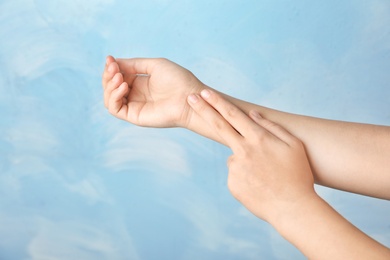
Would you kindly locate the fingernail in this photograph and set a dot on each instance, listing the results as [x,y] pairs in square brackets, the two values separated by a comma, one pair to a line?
[193,98]
[110,68]
[205,93]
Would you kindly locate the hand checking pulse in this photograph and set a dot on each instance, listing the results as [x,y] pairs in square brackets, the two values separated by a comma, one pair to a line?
[268,171]
[271,171]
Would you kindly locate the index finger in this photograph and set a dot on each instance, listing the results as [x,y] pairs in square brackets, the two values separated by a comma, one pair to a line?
[222,128]
[232,114]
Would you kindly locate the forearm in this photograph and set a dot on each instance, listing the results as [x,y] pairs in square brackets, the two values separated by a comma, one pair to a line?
[346,156]
[319,232]
[270,175]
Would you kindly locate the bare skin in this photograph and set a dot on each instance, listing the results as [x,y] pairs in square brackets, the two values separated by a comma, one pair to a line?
[277,156]
[270,175]
[342,155]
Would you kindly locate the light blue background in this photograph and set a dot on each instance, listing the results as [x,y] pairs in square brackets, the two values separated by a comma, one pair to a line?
[76,183]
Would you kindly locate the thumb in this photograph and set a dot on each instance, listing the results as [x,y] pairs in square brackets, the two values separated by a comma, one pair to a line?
[137,65]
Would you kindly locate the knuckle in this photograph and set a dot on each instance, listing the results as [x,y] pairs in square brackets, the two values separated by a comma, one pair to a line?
[230,161]
[111,107]
[241,150]
[296,142]
[231,111]
[219,124]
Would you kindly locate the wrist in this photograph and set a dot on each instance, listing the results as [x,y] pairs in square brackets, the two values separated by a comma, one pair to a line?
[289,215]
[195,123]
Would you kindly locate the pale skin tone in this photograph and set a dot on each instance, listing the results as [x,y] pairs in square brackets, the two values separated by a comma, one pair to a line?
[270,175]
[347,156]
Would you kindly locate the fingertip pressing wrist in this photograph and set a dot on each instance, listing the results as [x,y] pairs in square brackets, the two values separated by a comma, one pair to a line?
[205,93]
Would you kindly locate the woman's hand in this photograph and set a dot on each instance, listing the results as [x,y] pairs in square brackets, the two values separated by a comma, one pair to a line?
[149,92]
[268,172]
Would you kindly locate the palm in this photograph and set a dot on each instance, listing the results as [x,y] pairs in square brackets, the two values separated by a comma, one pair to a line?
[159,100]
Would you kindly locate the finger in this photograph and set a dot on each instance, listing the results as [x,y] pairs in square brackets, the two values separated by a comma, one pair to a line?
[116,104]
[109,59]
[227,133]
[232,114]
[138,65]
[110,70]
[275,129]
[114,83]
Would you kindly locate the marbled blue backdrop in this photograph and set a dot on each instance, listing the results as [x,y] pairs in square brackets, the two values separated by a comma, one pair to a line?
[76,183]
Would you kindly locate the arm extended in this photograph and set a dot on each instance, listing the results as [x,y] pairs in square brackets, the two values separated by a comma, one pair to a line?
[347,156]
